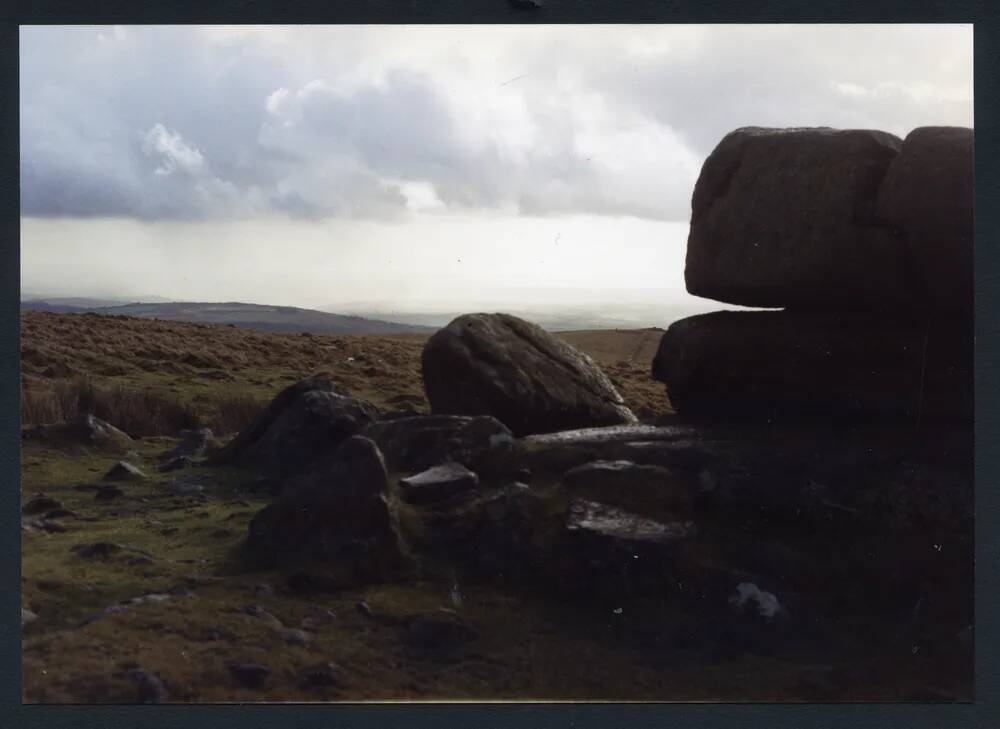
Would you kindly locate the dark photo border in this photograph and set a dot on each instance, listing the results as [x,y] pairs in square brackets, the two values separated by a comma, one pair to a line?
[983,14]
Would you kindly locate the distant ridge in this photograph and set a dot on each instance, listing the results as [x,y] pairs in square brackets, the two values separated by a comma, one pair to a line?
[263,317]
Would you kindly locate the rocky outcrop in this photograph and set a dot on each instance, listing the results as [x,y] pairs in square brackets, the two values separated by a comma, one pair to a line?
[338,515]
[784,217]
[531,381]
[790,364]
[927,199]
[866,242]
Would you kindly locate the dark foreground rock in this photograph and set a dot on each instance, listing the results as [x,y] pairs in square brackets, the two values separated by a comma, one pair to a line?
[785,218]
[300,427]
[339,515]
[481,443]
[239,445]
[653,490]
[927,198]
[85,430]
[530,380]
[788,364]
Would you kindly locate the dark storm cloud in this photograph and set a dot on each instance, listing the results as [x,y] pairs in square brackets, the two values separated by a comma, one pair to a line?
[189,123]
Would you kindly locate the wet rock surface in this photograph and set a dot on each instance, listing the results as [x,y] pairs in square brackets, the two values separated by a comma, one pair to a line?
[528,379]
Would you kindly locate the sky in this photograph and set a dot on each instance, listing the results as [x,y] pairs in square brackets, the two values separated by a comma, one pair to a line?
[423,168]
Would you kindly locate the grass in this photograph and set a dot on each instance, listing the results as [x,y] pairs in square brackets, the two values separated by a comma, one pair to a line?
[136,411]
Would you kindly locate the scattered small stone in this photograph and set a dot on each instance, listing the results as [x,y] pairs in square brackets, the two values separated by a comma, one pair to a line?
[222,533]
[262,590]
[169,530]
[250,675]
[180,591]
[40,503]
[43,524]
[124,471]
[27,617]
[107,493]
[60,514]
[156,597]
[139,561]
[50,585]
[294,636]
[323,675]
[176,464]
[150,689]
[365,610]
[260,613]
[523,474]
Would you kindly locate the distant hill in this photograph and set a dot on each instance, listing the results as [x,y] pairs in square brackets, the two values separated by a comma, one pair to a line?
[288,319]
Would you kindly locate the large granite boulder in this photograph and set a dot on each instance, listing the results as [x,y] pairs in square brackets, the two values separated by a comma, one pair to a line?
[300,426]
[530,380]
[339,515]
[788,364]
[927,198]
[784,218]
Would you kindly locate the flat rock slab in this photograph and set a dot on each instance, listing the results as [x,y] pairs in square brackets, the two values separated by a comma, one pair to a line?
[612,434]
[528,379]
[438,483]
[672,446]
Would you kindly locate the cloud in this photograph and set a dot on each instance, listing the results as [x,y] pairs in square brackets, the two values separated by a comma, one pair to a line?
[382,122]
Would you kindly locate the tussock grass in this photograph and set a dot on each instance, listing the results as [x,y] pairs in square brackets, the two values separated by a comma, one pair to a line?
[136,411]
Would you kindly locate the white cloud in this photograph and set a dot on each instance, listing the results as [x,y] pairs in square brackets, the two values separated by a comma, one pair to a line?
[327,121]
[171,152]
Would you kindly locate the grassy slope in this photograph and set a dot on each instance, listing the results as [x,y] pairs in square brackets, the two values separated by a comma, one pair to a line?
[529,646]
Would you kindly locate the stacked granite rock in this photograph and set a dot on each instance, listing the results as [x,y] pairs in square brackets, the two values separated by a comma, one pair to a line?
[864,241]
